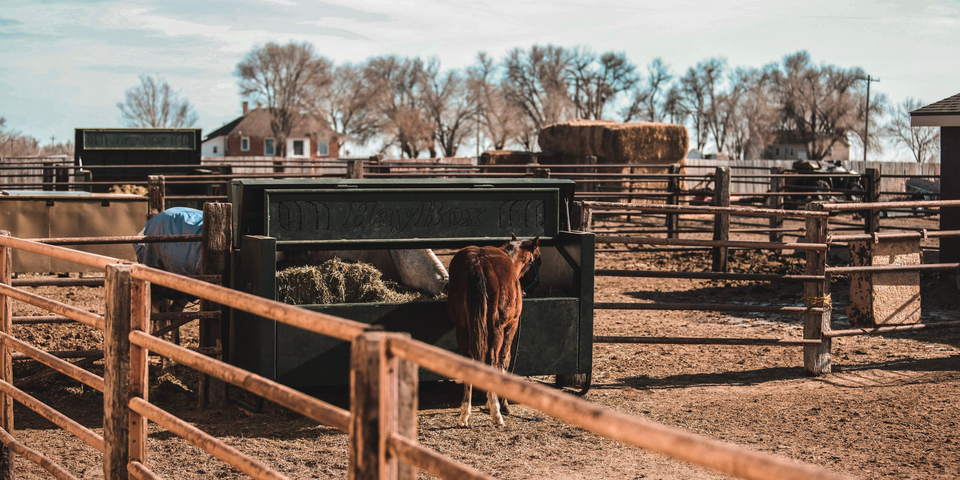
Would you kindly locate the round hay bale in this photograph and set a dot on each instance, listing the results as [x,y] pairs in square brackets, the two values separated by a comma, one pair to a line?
[336,281]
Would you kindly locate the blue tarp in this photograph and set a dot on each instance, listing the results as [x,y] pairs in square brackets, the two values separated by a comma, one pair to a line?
[183,257]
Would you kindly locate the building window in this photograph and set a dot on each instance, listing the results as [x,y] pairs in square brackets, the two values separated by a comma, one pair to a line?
[214,149]
[323,147]
[791,153]
[245,144]
[298,148]
[269,147]
[778,152]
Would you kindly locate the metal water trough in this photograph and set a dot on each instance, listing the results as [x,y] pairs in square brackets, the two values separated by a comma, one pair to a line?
[556,334]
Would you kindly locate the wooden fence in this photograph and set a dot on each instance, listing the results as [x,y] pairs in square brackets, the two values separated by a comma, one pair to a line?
[817,330]
[382,419]
[893,173]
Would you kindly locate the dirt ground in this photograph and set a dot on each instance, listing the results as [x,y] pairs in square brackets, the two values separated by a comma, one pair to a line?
[888,410]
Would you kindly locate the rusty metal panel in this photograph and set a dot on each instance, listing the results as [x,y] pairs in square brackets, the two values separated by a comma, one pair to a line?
[886,298]
[57,216]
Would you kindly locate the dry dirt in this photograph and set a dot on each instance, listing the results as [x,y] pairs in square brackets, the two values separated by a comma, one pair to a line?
[888,410]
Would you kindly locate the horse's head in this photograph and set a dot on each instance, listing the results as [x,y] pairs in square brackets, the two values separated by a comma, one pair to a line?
[525,255]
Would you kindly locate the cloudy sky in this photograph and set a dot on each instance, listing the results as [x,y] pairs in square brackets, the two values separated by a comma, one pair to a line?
[66,63]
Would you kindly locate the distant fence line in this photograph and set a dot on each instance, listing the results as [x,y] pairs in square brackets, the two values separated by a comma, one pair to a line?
[890,181]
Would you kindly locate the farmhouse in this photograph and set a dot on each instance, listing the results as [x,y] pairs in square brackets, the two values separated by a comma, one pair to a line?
[787,145]
[250,135]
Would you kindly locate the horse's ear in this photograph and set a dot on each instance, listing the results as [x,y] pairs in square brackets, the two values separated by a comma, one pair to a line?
[535,243]
[514,236]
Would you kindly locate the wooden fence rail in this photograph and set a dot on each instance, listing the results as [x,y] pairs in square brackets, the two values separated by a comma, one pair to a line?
[391,380]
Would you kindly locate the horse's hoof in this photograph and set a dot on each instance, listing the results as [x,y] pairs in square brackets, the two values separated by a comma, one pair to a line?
[498,421]
[464,421]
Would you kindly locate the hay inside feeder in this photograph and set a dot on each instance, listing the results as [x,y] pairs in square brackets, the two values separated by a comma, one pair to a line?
[336,281]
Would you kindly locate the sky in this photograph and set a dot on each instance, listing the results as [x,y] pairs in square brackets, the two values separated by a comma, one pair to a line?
[64,64]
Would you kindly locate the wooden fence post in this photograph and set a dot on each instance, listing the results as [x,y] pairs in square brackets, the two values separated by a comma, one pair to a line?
[398,407]
[47,176]
[383,401]
[365,407]
[816,358]
[156,189]
[673,188]
[376,160]
[139,368]
[776,202]
[223,188]
[721,223]
[216,243]
[6,361]
[116,371]
[871,183]
[354,169]
[590,168]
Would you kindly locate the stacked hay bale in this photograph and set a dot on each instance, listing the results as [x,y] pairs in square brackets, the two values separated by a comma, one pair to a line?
[507,157]
[610,142]
[336,281]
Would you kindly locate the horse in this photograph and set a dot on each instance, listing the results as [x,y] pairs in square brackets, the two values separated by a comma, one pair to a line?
[484,300]
[183,258]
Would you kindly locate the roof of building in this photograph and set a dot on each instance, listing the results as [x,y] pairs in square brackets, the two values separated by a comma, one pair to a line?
[256,123]
[947,106]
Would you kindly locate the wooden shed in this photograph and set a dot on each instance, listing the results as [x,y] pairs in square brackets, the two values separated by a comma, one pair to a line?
[946,115]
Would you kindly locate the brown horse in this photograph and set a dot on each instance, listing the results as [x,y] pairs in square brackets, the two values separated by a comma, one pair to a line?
[484,300]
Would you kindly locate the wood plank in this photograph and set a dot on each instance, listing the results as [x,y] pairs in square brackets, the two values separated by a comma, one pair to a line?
[116,374]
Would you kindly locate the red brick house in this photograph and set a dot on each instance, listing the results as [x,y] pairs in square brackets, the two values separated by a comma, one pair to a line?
[250,136]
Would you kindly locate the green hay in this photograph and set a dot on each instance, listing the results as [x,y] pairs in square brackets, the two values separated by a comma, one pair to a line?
[336,281]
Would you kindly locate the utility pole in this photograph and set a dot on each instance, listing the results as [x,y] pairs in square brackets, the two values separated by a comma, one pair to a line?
[866,117]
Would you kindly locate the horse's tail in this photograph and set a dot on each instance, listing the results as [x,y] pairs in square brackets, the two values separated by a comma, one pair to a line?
[477,313]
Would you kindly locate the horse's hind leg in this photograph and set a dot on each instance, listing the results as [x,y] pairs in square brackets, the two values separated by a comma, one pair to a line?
[465,405]
[494,405]
[505,359]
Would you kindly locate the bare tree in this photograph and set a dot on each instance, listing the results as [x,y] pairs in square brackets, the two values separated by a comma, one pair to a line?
[699,87]
[650,97]
[57,148]
[596,81]
[537,83]
[674,109]
[722,110]
[347,103]
[281,77]
[878,109]
[154,104]
[499,119]
[819,102]
[756,114]
[923,142]
[450,107]
[16,144]
[399,98]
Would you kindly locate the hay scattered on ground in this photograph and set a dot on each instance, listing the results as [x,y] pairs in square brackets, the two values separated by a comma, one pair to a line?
[336,281]
[129,189]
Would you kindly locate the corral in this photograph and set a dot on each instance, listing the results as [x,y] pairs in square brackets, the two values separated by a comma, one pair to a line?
[887,411]
[874,416]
